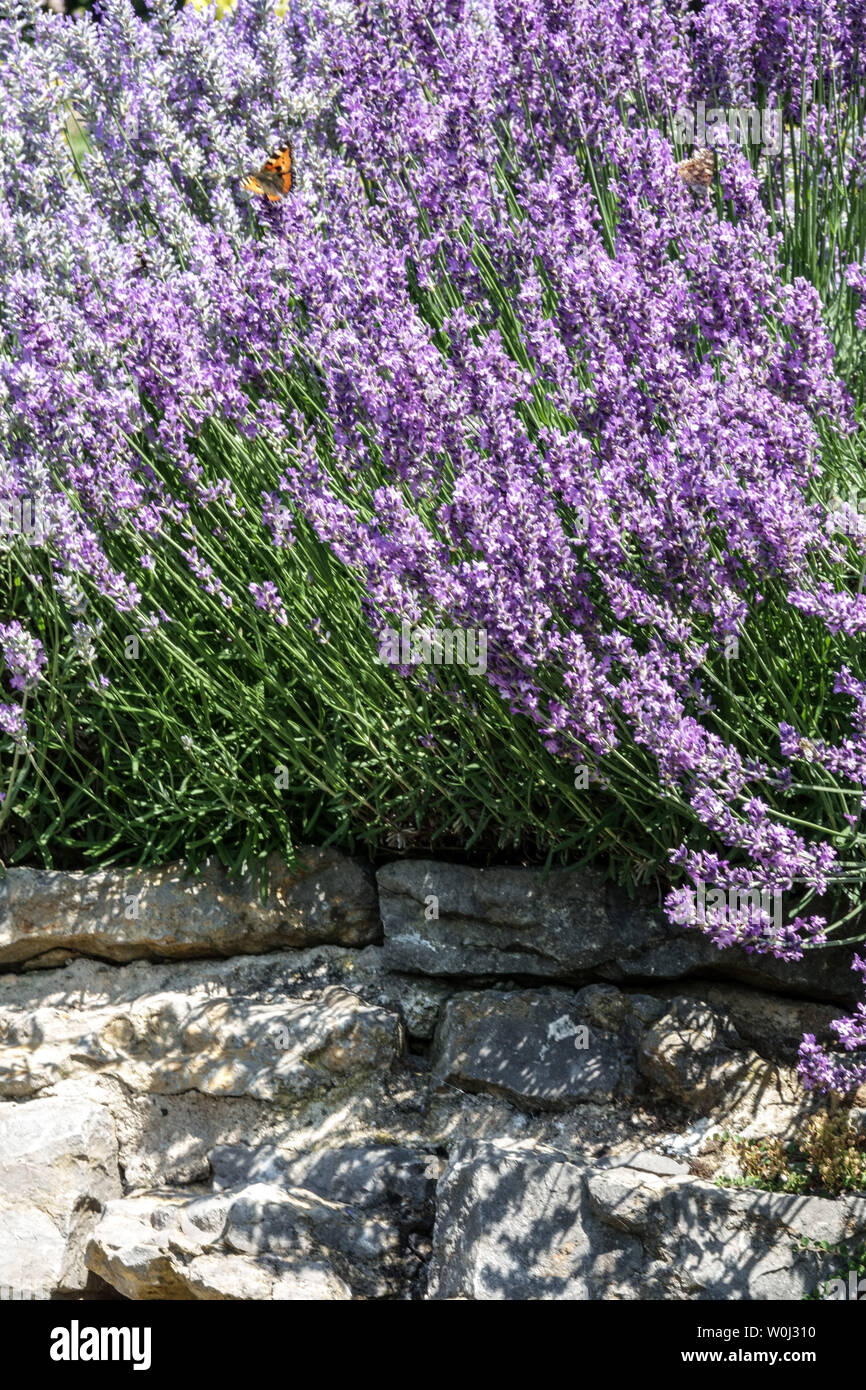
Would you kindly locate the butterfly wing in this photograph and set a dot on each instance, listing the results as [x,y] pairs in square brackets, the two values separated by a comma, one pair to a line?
[700,171]
[274,180]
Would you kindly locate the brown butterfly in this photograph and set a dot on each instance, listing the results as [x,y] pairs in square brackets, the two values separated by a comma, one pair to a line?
[698,172]
[274,180]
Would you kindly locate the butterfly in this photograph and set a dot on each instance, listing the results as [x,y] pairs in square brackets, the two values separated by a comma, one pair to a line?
[698,172]
[274,180]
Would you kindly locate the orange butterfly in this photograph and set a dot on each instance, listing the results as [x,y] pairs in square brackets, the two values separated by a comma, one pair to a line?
[274,180]
[698,172]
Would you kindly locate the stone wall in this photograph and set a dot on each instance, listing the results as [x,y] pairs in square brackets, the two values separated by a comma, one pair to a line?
[441,1082]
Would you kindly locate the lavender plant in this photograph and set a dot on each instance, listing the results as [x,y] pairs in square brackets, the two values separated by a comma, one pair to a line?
[492,365]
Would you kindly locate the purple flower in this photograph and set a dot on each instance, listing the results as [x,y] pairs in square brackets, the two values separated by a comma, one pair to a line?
[13,723]
[268,599]
[23,656]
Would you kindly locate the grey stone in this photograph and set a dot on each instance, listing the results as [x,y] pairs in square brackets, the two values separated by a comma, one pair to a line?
[364,1246]
[694,1054]
[522,1046]
[359,1205]
[522,925]
[152,1246]
[395,1179]
[227,1277]
[58,1169]
[770,1023]
[121,915]
[511,922]
[647,1162]
[730,1243]
[415,998]
[515,1224]
[857,1120]
[194,1036]
[519,1223]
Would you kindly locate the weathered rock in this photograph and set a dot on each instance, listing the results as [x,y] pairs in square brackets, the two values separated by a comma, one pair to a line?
[159,1246]
[611,1009]
[694,1054]
[360,1205]
[84,983]
[415,998]
[519,1224]
[151,1245]
[365,1247]
[528,1046]
[58,1168]
[123,915]
[394,1179]
[567,925]
[233,1277]
[165,1140]
[857,1120]
[823,973]
[533,1047]
[646,1162]
[770,1023]
[274,1088]
[129,1248]
[513,1223]
[195,1036]
[508,922]
[710,1242]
